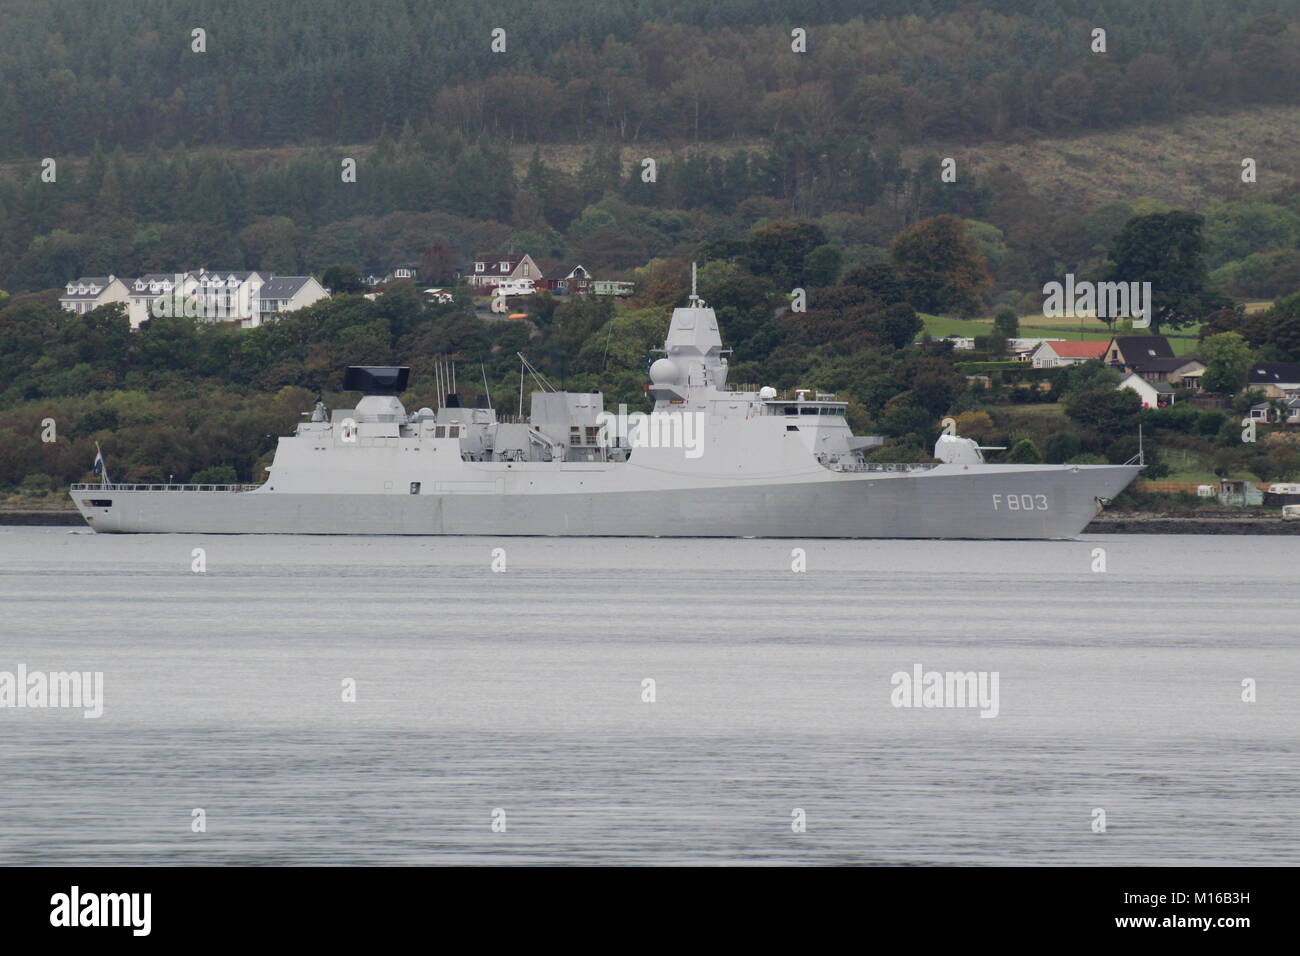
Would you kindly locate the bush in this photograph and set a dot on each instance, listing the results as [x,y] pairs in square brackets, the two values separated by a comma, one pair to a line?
[1024,452]
[1110,412]
[1062,447]
[1210,423]
[1179,418]
[215,475]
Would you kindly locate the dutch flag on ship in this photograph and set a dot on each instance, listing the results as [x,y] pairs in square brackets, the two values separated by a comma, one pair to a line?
[101,471]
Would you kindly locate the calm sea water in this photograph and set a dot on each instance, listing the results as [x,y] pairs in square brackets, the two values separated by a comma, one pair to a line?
[523,691]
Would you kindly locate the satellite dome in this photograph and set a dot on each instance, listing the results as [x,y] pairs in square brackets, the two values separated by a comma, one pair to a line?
[664,372]
[766,393]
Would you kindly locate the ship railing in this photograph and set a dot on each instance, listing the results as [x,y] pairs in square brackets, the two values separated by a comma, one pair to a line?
[880,466]
[95,486]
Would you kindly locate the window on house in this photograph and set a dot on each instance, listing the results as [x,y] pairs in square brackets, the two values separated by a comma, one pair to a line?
[478,267]
[505,267]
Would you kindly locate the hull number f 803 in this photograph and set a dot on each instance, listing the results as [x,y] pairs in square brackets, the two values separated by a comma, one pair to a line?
[1020,502]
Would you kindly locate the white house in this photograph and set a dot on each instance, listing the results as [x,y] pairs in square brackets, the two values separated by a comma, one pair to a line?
[206,294]
[407,273]
[229,295]
[148,289]
[1054,354]
[1021,349]
[284,294]
[90,292]
[1153,394]
[1265,412]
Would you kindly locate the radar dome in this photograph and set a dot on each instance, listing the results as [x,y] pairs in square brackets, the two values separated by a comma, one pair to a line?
[766,393]
[664,372]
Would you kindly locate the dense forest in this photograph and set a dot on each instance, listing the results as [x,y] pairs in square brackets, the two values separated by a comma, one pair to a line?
[154,170]
[75,72]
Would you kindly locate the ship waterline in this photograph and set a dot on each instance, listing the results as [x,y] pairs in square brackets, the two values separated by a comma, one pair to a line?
[710,461]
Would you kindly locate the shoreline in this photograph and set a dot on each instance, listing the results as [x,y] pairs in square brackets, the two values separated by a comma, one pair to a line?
[1134,523]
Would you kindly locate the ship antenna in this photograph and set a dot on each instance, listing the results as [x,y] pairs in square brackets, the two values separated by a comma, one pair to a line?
[694,296]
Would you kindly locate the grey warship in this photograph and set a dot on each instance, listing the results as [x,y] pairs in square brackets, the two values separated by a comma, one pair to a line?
[708,461]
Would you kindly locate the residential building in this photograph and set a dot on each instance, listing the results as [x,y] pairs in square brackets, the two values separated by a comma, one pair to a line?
[215,295]
[1179,370]
[1021,349]
[146,290]
[90,292]
[1275,379]
[227,295]
[1054,354]
[489,271]
[406,273]
[1268,413]
[1152,357]
[576,280]
[1128,352]
[284,294]
[1153,394]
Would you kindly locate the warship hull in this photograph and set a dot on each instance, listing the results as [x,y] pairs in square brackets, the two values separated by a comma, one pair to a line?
[946,501]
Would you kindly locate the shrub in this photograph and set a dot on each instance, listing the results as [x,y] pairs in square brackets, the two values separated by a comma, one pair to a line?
[1024,452]
[215,475]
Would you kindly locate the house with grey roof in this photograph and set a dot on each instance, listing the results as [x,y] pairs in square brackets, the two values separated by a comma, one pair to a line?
[90,292]
[1152,394]
[281,294]
[1283,410]
[148,290]
[1275,379]
[489,270]
[247,297]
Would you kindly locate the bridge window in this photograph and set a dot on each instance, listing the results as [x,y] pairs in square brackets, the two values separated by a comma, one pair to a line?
[415,487]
